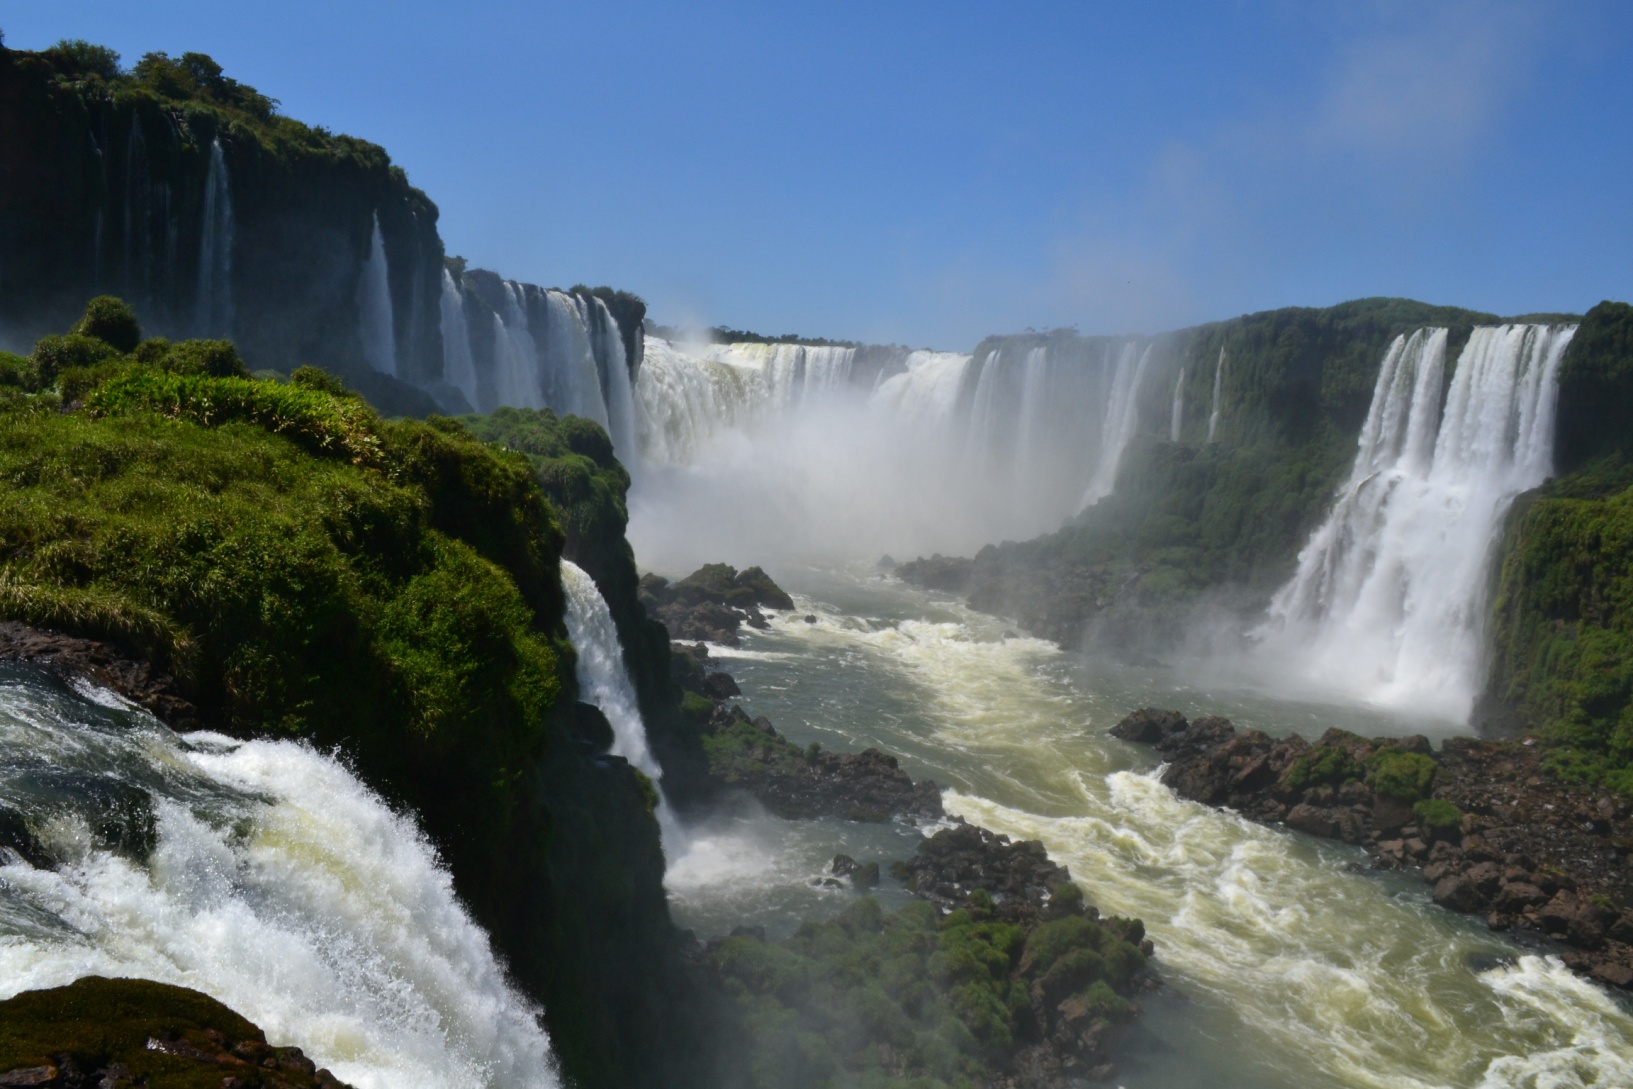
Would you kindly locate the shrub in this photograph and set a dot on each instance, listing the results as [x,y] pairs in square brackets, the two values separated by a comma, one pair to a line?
[212,358]
[1439,816]
[55,354]
[1403,775]
[112,321]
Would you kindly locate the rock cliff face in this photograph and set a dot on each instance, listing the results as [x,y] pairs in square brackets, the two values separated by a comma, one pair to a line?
[188,195]
[1561,623]
[1216,490]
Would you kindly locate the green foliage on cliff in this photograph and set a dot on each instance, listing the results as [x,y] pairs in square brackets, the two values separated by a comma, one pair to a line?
[914,998]
[1563,623]
[1596,389]
[302,566]
[1221,520]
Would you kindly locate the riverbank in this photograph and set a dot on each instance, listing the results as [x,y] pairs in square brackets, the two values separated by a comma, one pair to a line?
[1483,822]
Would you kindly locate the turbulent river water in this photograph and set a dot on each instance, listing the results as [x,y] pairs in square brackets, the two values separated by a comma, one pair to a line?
[1287,962]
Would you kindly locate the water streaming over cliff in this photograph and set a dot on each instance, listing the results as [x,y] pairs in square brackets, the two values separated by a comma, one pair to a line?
[509,343]
[755,450]
[603,680]
[212,314]
[1389,599]
[1218,381]
[261,873]
[375,325]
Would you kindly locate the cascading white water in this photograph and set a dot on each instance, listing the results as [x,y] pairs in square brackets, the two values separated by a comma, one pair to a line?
[1218,380]
[458,365]
[1176,415]
[603,680]
[1122,415]
[277,883]
[212,310]
[1388,601]
[620,392]
[375,324]
[517,380]
[567,346]
[943,452]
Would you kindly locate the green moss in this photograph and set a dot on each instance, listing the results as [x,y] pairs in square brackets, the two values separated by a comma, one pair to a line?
[98,1022]
[1403,775]
[1323,765]
[913,998]
[1439,816]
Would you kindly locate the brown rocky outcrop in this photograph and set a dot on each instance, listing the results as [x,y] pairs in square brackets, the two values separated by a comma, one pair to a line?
[1493,833]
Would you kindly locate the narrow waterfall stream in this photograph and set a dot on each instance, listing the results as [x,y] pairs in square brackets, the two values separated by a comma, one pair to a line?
[376,327]
[261,873]
[603,680]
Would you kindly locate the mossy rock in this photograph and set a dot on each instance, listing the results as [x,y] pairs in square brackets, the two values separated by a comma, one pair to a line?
[161,1035]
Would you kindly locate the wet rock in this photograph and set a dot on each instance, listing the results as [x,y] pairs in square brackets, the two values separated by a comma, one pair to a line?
[713,602]
[937,572]
[1150,726]
[1520,848]
[720,686]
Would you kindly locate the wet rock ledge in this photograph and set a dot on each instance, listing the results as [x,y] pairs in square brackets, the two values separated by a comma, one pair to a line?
[101,1033]
[1488,829]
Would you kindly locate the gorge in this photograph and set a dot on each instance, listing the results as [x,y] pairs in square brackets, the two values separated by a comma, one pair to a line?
[412,778]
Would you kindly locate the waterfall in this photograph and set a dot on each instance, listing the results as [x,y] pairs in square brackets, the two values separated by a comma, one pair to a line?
[603,679]
[577,379]
[1218,379]
[1178,412]
[1121,417]
[926,392]
[262,873]
[517,378]
[1388,601]
[458,365]
[375,325]
[212,312]
[620,393]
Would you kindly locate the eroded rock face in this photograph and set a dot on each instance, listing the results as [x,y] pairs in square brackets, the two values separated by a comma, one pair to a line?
[1506,842]
[937,572]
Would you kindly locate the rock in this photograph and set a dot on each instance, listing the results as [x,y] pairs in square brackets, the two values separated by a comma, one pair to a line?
[1518,896]
[937,572]
[1457,893]
[591,727]
[1150,726]
[720,686]
[712,602]
[1312,821]
[843,865]
[33,1075]
[865,877]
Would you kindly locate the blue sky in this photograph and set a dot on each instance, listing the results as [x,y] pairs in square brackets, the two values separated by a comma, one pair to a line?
[932,172]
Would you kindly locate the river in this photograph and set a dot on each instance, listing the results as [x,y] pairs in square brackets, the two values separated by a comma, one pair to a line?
[1287,962]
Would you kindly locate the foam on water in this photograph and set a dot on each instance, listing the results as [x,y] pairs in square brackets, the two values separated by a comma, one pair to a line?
[279,884]
[1304,972]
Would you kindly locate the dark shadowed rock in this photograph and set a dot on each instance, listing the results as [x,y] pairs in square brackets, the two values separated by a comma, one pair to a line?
[1149,726]
[937,572]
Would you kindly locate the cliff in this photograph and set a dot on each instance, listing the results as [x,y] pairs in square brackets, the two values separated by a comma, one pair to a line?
[1213,503]
[187,194]
[1562,614]
[391,589]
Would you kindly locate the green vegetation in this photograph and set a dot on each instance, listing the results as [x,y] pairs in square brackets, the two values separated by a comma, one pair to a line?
[99,1022]
[917,999]
[1439,816]
[1220,522]
[1406,776]
[740,752]
[1562,616]
[1323,765]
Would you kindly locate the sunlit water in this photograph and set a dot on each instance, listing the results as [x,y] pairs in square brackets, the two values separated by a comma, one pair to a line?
[277,883]
[1288,963]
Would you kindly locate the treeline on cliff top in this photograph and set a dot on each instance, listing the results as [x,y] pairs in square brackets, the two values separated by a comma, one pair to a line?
[391,588]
